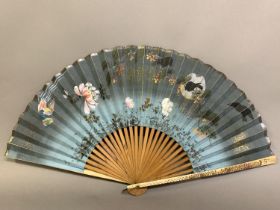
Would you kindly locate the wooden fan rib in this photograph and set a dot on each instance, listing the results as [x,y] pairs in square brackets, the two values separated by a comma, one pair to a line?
[138,154]
[171,164]
[131,137]
[147,131]
[138,169]
[97,170]
[108,167]
[177,160]
[161,150]
[120,149]
[132,142]
[123,152]
[136,147]
[113,158]
[114,142]
[118,158]
[180,156]
[149,142]
[154,142]
[174,163]
[184,172]
[96,167]
[108,160]
[129,150]
[114,148]
[157,143]
[168,155]
[165,149]
[177,149]
[104,149]
[156,152]
[178,168]
[126,149]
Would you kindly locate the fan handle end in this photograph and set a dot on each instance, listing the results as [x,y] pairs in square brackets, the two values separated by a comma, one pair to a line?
[137,191]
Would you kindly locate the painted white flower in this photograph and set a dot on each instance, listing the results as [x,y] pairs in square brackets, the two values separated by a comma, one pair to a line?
[167,106]
[90,95]
[152,57]
[195,86]
[129,102]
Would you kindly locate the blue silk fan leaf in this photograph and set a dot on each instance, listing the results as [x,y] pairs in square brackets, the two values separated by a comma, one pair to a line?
[142,116]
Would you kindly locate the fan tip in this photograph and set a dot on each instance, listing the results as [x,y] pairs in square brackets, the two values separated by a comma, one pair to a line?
[93,54]
[80,60]
[263,125]
[69,67]
[10,139]
[107,50]
[6,153]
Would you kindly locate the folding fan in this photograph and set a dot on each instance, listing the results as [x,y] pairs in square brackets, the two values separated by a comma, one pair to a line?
[142,116]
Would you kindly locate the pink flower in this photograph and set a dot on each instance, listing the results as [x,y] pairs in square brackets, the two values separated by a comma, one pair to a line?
[90,95]
[46,108]
[42,105]
[45,111]
[129,102]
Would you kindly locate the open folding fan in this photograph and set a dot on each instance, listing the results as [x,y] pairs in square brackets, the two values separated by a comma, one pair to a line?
[143,116]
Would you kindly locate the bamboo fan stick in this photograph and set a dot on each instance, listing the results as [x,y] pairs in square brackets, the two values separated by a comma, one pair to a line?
[115,147]
[136,154]
[135,136]
[118,157]
[156,152]
[157,144]
[123,152]
[106,163]
[174,168]
[230,169]
[98,163]
[108,153]
[161,151]
[151,135]
[166,151]
[180,173]
[102,160]
[145,145]
[99,175]
[103,155]
[113,158]
[177,161]
[169,155]
[147,131]
[112,148]
[139,154]
[131,138]
[123,155]
[132,141]
[127,151]
[100,171]
[112,140]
